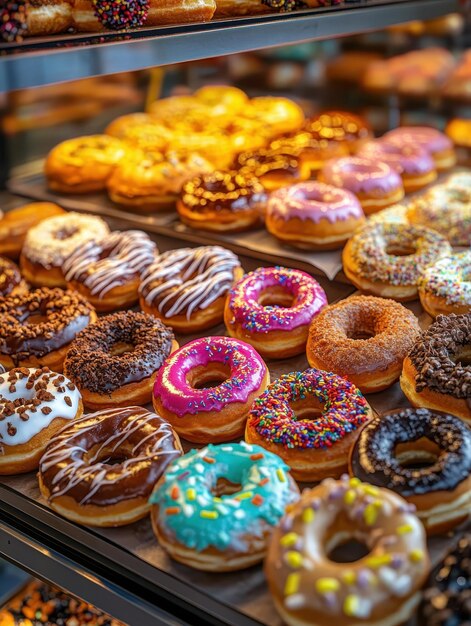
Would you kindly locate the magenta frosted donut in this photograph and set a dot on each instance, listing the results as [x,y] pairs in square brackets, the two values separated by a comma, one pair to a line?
[313,215]
[185,395]
[436,143]
[411,161]
[272,309]
[375,183]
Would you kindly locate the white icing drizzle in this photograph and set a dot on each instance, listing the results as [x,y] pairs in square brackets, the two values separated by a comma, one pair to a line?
[21,413]
[183,281]
[76,469]
[118,258]
[54,239]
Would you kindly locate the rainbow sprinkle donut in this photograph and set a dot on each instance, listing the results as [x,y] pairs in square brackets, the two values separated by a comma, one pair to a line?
[281,421]
[272,308]
[220,528]
[444,287]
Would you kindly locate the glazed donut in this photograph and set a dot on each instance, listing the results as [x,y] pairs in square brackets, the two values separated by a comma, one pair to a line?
[309,588]
[15,224]
[151,136]
[340,127]
[276,115]
[120,126]
[311,152]
[108,272]
[203,522]
[435,374]
[375,184]
[152,181]
[83,165]
[222,99]
[271,309]
[388,446]
[412,162]
[459,131]
[387,259]
[274,169]
[446,595]
[200,413]
[47,17]
[34,405]
[446,209]
[222,201]
[187,288]
[444,287]
[77,475]
[313,448]
[313,216]
[48,244]
[437,144]
[114,361]
[11,282]
[172,110]
[37,327]
[364,339]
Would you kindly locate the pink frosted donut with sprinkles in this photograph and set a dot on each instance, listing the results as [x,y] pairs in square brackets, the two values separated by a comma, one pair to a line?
[411,161]
[436,143]
[313,215]
[282,421]
[272,308]
[206,389]
[376,184]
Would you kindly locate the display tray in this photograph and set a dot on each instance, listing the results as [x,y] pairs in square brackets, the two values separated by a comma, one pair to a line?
[239,598]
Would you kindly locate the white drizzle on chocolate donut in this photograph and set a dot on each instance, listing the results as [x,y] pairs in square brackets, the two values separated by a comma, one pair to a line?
[183,281]
[116,259]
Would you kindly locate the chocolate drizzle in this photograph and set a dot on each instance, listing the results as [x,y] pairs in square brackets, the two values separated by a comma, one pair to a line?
[91,364]
[436,357]
[64,314]
[447,599]
[373,458]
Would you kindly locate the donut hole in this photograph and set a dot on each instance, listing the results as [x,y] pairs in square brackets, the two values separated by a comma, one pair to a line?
[106,456]
[208,376]
[417,455]
[397,248]
[463,358]
[276,297]
[307,409]
[224,487]
[344,547]
[35,319]
[359,334]
[121,347]
[65,233]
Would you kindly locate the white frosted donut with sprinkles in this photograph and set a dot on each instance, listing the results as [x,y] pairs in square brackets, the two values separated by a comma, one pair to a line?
[34,405]
[382,588]
[108,272]
[445,286]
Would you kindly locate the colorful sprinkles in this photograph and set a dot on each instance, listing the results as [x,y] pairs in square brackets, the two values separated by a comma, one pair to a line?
[13,21]
[344,409]
[120,14]
[447,278]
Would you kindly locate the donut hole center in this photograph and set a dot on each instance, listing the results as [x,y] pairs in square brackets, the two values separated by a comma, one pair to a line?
[224,487]
[359,334]
[276,297]
[106,456]
[35,319]
[208,376]
[121,347]
[65,233]
[345,547]
[307,409]
[400,249]
[417,455]
[463,358]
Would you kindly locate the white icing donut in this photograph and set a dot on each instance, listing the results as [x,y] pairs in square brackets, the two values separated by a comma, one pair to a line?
[30,399]
[54,239]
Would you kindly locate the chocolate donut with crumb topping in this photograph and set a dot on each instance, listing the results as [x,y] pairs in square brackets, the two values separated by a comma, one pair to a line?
[36,328]
[114,362]
[437,372]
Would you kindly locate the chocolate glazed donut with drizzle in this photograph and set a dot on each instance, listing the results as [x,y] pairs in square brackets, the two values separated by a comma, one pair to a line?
[102,468]
[424,456]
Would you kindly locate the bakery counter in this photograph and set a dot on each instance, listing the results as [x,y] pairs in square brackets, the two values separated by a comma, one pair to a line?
[43,61]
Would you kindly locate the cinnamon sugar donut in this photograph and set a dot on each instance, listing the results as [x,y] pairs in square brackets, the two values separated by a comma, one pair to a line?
[363,338]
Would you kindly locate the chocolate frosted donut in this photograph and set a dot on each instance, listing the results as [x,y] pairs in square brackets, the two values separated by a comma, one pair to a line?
[114,361]
[36,328]
[436,374]
[447,598]
[387,447]
[274,168]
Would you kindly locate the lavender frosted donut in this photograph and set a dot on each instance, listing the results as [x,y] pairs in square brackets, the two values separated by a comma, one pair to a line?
[375,184]
[272,309]
[198,410]
[313,215]
[437,144]
[412,162]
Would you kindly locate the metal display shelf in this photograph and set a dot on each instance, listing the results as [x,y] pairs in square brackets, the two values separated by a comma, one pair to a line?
[64,58]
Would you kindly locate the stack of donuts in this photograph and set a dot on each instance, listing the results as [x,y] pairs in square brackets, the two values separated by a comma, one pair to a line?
[118,357]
